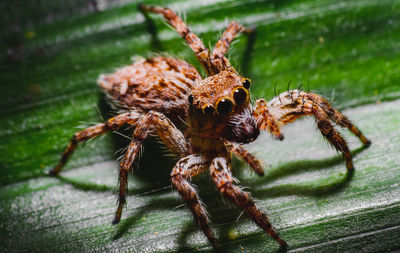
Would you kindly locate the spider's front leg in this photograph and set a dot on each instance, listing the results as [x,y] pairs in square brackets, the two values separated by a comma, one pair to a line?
[184,170]
[223,179]
[291,105]
[166,131]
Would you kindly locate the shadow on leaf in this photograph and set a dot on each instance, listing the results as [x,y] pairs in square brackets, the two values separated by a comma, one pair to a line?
[159,203]
[296,167]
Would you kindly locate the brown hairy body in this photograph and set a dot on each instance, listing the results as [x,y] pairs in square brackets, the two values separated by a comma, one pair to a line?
[158,94]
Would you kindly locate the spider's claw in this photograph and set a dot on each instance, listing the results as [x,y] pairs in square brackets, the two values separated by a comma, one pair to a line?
[349,174]
[283,247]
[276,133]
[349,165]
[117,217]
[367,142]
[54,171]
[215,246]
[115,221]
[279,136]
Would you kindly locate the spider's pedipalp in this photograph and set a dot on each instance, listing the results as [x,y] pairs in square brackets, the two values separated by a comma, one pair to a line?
[223,179]
[265,121]
[184,170]
[166,131]
[250,159]
[113,123]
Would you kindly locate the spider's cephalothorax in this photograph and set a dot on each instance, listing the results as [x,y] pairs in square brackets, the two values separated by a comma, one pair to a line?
[220,109]
[158,94]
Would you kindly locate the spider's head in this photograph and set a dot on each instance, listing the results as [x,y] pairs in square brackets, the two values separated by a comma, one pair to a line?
[220,108]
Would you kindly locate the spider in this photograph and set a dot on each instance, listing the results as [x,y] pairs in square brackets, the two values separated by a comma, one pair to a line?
[157,94]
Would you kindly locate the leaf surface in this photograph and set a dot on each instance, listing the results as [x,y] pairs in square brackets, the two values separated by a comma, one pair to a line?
[345,50]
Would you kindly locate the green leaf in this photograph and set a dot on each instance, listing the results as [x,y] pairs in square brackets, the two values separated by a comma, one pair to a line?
[347,51]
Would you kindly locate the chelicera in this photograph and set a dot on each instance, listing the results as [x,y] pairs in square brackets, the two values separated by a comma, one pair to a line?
[157,94]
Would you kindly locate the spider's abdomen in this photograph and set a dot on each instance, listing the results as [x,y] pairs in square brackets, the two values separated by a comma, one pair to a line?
[161,84]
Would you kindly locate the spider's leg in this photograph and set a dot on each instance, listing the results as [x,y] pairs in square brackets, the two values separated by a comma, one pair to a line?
[254,163]
[184,170]
[333,136]
[341,120]
[202,53]
[291,105]
[94,131]
[218,61]
[223,179]
[165,130]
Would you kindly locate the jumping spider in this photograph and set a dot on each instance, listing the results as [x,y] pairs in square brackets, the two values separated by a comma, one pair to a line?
[159,93]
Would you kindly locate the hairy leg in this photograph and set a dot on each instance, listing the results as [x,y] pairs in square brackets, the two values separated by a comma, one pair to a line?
[218,61]
[223,179]
[254,163]
[166,131]
[291,105]
[94,131]
[202,53]
[342,120]
[184,170]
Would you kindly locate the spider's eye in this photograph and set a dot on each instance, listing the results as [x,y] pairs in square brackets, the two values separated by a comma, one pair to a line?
[209,109]
[246,83]
[190,99]
[224,106]
[240,96]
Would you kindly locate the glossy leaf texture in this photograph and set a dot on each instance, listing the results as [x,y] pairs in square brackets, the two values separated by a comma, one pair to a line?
[52,54]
